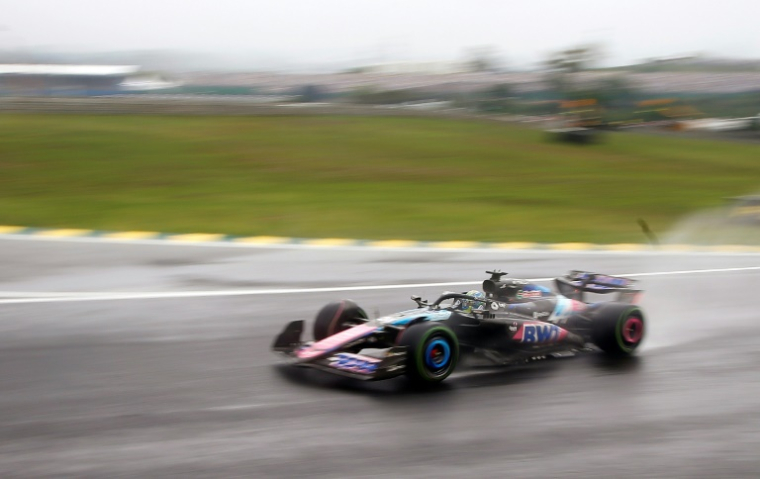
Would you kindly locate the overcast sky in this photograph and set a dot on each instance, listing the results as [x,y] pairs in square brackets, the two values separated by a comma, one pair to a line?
[523,32]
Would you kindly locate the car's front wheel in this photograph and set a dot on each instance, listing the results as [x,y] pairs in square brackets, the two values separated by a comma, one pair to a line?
[432,352]
[336,317]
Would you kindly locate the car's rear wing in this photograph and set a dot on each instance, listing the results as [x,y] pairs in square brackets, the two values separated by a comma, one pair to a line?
[576,283]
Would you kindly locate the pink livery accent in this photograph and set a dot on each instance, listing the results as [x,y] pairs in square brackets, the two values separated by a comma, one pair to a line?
[633,330]
[335,341]
[578,306]
[533,332]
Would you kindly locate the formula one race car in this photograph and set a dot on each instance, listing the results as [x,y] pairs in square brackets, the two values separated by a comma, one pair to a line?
[511,321]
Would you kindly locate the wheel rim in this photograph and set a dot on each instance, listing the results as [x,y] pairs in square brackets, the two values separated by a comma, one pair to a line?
[437,356]
[633,330]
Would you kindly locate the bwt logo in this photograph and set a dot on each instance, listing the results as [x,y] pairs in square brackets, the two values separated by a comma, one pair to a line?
[539,333]
[354,363]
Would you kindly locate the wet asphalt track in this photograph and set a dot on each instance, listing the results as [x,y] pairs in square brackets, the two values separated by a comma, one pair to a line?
[188,387]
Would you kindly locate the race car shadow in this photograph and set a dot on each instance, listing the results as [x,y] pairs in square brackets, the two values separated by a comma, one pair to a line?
[541,370]
[496,376]
[464,377]
[613,365]
[311,378]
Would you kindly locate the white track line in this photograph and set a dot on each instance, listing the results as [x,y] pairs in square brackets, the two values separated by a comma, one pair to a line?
[97,296]
[45,294]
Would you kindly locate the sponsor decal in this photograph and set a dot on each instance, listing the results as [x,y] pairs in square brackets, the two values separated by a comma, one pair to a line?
[539,333]
[529,294]
[354,363]
[611,280]
[513,327]
[537,315]
[495,306]
[599,281]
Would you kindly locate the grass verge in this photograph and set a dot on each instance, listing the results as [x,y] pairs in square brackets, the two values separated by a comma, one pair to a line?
[358,177]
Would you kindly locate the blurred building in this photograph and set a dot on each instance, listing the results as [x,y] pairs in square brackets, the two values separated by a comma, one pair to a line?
[425,68]
[75,80]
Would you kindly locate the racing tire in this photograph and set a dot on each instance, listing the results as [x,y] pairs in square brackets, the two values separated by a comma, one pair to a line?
[432,352]
[336,317]
[618,329]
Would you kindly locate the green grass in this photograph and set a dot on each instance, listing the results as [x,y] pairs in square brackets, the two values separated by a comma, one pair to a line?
[410,178]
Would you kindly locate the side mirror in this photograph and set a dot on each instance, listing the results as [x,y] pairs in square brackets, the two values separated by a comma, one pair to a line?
[420,302]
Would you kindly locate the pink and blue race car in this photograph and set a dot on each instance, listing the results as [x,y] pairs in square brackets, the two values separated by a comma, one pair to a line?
[509,321]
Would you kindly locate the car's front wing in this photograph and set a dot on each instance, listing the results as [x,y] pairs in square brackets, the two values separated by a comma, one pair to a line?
[359,366]
[383,363]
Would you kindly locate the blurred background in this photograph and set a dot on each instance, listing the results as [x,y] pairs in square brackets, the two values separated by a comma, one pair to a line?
[538,80]
[295,152]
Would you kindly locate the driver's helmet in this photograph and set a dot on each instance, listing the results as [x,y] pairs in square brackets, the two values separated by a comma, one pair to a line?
[467,305]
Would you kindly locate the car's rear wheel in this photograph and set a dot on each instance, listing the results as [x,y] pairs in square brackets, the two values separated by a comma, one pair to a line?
[336,317]
[432,352]
[618,328]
